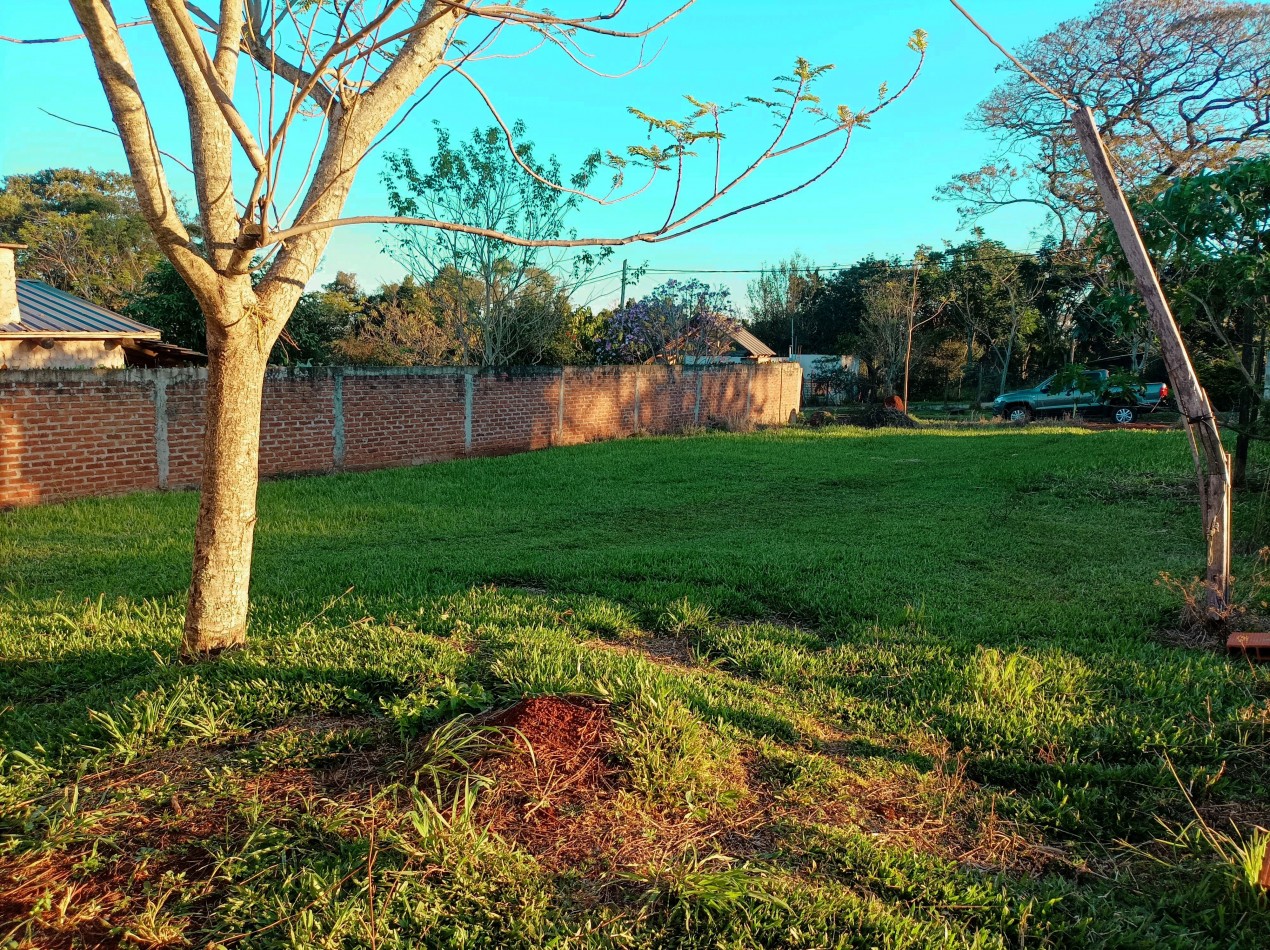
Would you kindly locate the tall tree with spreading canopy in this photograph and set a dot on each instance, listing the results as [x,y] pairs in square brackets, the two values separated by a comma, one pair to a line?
[1180,86]
[330,81]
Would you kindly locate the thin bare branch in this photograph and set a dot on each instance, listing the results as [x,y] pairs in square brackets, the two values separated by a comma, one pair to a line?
[69,39]
[115,132]
[119,83]
[1012,58]
[511,146]
[521,15]
[645,237]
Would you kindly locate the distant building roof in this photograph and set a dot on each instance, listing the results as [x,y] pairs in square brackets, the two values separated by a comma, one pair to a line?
[51,314]
[748,341]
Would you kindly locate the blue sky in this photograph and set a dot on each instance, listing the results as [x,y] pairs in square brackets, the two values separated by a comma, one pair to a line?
[879,201]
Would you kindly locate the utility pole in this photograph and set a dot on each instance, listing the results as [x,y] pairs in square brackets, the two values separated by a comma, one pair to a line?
[1197,412]
[912,315]
[622,306]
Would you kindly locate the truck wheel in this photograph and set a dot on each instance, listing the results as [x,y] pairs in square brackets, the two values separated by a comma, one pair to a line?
[1019,413]
[1123,415]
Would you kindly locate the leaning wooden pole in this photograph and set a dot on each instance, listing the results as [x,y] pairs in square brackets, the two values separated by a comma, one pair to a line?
[1212,460]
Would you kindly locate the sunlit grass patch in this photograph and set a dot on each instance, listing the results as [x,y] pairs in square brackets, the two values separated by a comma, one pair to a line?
[805,689]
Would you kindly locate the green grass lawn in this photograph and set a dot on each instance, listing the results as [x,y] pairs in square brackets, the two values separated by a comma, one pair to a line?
[832,688]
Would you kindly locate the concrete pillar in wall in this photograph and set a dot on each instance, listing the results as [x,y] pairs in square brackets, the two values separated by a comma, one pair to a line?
[9,312]
[469,387]
[638,421]
[162,451]
[339,438]
[559,439]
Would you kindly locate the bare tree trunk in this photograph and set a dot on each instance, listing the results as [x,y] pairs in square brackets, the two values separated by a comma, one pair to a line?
[1247,400]
[216,616]
[1265,365]
[1009,354]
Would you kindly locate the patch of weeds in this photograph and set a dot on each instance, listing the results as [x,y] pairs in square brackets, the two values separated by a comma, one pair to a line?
[1117,486]
[543,662]
[417,711]
[696,893]
[166,715]
[155,924]
[765,651]
[805,779]
[604,617]
[462,885]
[671,757]
[1077,801]
[448,753]
[683,618]
[1013,679]
[1233,860]
[1247,608]
[310,742]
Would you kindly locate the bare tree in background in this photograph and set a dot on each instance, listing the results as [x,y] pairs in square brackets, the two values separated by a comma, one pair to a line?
[782,292]
[327,83]
[1023,284]
[1181,86]
[884,335]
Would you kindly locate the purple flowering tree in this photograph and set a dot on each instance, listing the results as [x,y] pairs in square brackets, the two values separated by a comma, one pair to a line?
[679,322]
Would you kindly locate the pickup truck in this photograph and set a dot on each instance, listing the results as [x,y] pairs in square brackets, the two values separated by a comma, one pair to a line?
[1091,397]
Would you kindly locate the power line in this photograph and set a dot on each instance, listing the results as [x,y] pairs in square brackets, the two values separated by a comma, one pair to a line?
[1004,255]
[816,268]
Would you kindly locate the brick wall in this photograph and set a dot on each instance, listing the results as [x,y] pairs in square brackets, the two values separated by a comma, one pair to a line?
[70,433]
[401,418]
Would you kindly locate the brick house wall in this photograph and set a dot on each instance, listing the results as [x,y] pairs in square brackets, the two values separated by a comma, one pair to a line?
[73,433]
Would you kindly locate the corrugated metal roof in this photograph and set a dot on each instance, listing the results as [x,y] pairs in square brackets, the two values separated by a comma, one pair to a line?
[753,344]
[49,313]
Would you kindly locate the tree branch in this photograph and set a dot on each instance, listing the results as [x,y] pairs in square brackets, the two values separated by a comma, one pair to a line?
[119,83]
[69,39]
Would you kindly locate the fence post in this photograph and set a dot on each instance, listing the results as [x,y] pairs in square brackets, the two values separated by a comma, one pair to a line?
[162,449]
[338,435]
[780,400]
[559,439]
[469,386]
[638,423]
